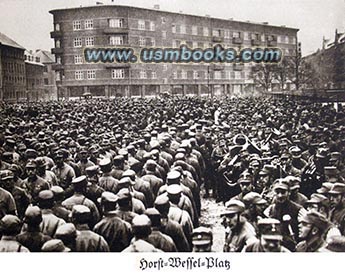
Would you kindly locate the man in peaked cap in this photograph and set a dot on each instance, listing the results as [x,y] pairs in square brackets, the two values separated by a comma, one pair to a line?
[141,226]
[158,239]
[84,161]
[107,181]
[238,231]
[171,227]
[151,177]
[337,212]
[311,231]
[33,238]
[10,226]
[93,191]
[67,233]
[33,183]
[285,211]
[79,198]
[55,245]
[295,195]
[113,229]
[270,237]
[202,239]
[255,206]
[87,240]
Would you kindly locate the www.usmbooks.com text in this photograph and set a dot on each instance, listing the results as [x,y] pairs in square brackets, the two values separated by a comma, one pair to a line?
[183,54]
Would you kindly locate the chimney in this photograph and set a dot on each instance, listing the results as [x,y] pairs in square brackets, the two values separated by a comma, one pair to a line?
[157,7]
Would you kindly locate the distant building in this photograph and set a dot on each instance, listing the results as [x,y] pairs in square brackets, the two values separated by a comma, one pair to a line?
[49,77]
[326,67]
[113,25]
[34,77]
[12,70]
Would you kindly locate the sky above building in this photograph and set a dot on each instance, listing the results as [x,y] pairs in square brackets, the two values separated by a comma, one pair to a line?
[29,22]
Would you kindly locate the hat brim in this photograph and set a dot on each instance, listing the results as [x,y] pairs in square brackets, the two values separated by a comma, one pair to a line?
[272,237]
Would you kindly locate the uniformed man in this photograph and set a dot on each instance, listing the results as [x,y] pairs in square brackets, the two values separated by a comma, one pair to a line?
[171,227]
[87,240]
[158,239]
[255,206]
[55,245]
[337,211]
[33,238]
[33,183]
[141,227]
[311,231]
[79,198]
[10,226]
[67,233]
[202,239]
[238,231]
[84,161]
[270,237]
[113,229]
[107,181]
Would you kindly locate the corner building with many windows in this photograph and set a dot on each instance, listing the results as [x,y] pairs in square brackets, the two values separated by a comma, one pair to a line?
[109,26]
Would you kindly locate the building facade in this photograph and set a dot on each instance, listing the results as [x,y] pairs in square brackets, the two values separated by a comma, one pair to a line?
[34,70]
[122,26]
[12,70]
[325,69]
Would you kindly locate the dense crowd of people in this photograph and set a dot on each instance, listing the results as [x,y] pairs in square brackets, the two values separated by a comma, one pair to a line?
[128,175]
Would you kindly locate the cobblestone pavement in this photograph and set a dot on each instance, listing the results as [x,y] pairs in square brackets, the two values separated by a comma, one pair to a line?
[210,211]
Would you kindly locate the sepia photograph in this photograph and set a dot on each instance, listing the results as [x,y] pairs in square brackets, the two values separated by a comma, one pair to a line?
[173,127]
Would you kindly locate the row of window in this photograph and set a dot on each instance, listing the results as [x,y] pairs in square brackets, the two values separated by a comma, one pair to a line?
[13,79]
[218,75]
[31,58]
[143,74]
[77,24]
[13,68]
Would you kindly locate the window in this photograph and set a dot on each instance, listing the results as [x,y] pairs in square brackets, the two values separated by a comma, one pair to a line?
[143,74]
[57,27]
[116,40]
[58,60]
[294,40]
[175,75]
[237,75]
[141,24]
[142,41]
[116,23]
[165,67]
[183,29]
[77,42]
[216,32]
[118,73]
[173,28]
[195,45]
[245,36]
[57,44]
[77,25]
[88,24]
[78,59]
[89,41]
[195,75]
[79,75]
[205,31]
[256,36]
[46,82]
[164,34]
[163,20]
[153,42]
[236,34]
[217,75]
[152,26]
[194,30]
[154,75]
[184,74]
[226,34]
[91,74]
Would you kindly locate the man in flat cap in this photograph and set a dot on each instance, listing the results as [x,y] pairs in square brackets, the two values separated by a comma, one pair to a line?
[55,245]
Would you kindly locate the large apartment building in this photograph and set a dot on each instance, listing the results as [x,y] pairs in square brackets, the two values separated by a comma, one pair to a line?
[113,26]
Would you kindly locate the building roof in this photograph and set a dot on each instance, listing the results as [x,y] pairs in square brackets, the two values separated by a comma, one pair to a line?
[45,56]
[5,40]
[170,12]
